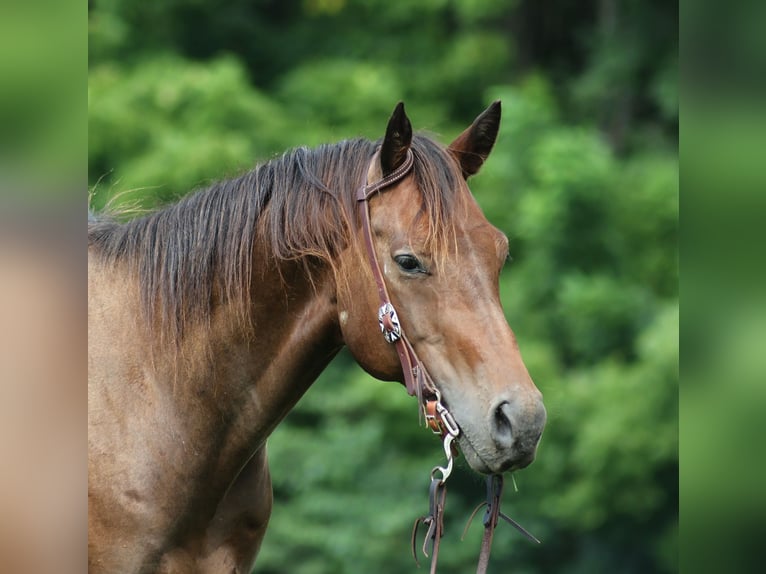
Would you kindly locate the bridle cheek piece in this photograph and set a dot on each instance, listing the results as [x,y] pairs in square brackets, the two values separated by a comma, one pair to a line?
[416,378]
[418,382]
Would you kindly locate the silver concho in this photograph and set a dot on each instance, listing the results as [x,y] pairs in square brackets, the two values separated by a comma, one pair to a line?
[394,334]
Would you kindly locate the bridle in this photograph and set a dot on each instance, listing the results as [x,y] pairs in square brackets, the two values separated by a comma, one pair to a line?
[416,378]
[419,383]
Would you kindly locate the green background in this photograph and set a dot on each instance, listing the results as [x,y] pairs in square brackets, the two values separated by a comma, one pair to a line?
[583,179]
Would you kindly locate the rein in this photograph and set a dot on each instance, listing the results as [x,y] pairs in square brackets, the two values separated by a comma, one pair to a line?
[419,383]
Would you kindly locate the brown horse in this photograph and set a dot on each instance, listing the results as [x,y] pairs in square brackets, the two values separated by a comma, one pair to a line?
[209,319]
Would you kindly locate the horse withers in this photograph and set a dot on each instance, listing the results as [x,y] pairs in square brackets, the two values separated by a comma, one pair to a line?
[210,318]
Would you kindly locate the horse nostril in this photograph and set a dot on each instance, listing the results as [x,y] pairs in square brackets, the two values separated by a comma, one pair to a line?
[503,429]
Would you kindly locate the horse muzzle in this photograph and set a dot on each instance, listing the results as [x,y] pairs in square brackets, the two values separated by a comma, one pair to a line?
[509,439]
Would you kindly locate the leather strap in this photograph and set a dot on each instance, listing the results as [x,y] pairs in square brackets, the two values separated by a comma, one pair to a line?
[492,516]
[417,381]
[494,492]
[434,522]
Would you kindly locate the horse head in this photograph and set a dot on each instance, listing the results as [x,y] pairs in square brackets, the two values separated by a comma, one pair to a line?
[440,260]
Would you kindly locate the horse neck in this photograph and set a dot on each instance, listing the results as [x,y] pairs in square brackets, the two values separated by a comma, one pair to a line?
[295,334]
[252,376]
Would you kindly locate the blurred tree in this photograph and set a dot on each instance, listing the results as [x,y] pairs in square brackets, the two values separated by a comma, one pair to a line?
[159,128]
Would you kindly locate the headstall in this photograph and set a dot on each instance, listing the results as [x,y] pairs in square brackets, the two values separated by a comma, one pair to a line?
[418,383]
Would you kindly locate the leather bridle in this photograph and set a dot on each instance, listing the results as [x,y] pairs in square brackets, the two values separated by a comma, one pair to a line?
[419,383]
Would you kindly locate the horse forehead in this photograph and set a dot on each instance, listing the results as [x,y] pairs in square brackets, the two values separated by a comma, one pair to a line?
[401,211]
[407,203]
[482,239]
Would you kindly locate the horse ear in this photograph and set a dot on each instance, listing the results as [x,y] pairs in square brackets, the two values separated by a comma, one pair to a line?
[397,141]
[472,147]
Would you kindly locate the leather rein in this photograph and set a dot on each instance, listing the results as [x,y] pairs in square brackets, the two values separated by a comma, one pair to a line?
[419,383]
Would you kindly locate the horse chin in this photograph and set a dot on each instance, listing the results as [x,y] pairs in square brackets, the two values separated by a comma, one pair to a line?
[472,457]
[482,465]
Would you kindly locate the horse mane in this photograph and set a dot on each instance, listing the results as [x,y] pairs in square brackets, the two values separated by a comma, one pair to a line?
[192,254]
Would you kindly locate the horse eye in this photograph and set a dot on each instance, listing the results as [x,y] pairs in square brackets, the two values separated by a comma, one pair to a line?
[409,263]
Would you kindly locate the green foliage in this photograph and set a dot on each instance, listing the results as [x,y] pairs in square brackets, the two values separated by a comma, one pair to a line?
[583,179]
[368,92]
[166,125]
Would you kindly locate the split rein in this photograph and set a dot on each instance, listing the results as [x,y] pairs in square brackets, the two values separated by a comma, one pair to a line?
[419,383]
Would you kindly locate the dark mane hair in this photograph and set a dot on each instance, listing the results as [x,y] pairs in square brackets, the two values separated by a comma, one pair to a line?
[301,206]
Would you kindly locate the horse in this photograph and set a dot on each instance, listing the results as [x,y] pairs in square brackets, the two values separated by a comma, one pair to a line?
[208,319]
